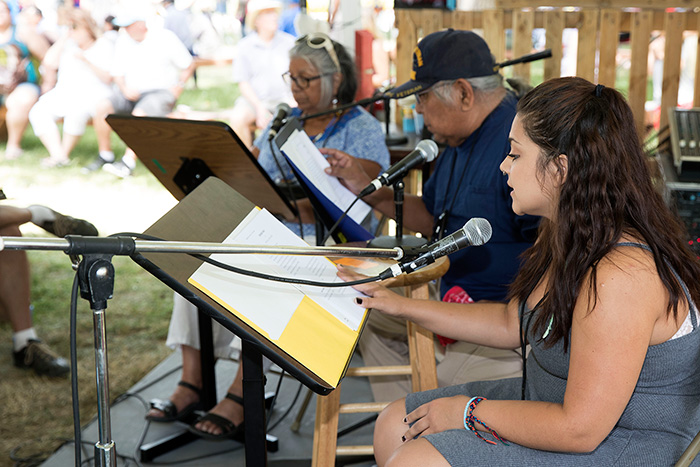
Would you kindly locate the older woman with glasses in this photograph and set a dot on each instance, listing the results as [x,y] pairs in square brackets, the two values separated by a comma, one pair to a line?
[321,75]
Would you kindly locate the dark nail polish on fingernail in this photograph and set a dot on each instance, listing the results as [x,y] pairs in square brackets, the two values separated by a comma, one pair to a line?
[358,300]
[403,438]
[404,420]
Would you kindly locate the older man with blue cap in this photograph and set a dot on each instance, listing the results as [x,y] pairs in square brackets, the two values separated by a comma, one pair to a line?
[465,106]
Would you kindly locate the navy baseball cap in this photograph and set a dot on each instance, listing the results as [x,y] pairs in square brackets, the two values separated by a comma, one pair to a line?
[446,55]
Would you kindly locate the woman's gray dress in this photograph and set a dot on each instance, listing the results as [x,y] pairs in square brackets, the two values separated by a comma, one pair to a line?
[661,419]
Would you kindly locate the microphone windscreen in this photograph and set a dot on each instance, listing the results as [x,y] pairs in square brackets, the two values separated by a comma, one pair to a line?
[429,148]
[478,231]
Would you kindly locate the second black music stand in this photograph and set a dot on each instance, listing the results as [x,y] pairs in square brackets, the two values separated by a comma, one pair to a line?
[182,154]
[209,214]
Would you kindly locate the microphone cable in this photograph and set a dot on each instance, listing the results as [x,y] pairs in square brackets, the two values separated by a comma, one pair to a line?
[340,219]
[288,280]
[260,275]
[75,395]
[290,192]
[325,135]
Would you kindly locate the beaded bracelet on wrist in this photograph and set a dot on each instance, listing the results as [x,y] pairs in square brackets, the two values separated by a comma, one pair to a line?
[470,420]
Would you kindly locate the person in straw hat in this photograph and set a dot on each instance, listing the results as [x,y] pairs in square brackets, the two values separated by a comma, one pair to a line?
[262,57]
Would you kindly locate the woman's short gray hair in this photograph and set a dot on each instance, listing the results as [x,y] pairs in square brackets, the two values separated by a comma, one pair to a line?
[321,60]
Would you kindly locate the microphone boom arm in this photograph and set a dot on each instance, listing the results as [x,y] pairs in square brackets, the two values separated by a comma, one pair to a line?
[124,245]
[547,53]
[340,108]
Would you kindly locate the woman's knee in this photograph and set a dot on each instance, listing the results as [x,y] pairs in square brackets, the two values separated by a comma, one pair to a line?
[21,100]
[393,414]
[418,453]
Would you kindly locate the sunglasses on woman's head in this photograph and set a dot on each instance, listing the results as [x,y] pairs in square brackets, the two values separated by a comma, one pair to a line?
[317,40]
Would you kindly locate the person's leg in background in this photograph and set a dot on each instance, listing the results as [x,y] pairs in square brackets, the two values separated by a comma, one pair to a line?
[18,103]
[243,120]
[27,350]
[183,333]
[151,104]
[43,117]
[103,131]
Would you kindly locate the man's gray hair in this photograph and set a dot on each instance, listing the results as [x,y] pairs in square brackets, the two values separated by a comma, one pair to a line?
[444,90]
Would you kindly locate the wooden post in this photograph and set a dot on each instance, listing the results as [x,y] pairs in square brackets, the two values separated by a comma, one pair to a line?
[494,33]
[639,36]
[554,27]
[587,44]
[523,24]
[674,27]
[609,38]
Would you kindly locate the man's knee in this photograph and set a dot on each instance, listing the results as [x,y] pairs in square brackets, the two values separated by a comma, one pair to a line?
[10,230]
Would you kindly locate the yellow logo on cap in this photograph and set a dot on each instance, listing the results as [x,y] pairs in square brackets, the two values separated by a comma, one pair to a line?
[418,57]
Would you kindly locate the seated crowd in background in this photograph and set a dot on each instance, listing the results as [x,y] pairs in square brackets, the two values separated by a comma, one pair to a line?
[81,72]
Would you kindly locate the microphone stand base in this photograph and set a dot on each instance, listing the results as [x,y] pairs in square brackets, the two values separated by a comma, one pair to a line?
[390,241]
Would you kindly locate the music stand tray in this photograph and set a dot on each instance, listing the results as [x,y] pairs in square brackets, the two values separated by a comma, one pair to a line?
[181,154]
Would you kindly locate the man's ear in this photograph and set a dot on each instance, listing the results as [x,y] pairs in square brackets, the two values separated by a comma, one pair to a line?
[466,93]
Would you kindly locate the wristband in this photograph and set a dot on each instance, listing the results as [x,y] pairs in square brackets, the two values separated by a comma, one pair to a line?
[470,419]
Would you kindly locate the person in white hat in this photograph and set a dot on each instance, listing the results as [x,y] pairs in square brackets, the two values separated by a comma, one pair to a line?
[262,58]
[150,69]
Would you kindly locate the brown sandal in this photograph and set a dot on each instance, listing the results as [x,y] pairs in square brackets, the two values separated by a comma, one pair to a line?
[228,428]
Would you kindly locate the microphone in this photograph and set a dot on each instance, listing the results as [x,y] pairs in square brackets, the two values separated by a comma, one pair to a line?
[426,151]
[475,232]
[282,111]
[340,108]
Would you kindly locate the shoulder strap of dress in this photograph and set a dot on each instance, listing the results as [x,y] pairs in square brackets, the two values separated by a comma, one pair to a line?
[693,318]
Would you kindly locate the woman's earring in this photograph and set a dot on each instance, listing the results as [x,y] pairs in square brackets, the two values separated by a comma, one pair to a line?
[335,102]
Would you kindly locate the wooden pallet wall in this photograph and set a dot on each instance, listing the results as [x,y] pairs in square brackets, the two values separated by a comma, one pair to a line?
[599,25]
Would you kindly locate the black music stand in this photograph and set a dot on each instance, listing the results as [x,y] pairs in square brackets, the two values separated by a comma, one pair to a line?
[209,214]
[182,154]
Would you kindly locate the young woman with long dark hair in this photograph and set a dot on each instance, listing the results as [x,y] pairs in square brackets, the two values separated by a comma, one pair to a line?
[605,299]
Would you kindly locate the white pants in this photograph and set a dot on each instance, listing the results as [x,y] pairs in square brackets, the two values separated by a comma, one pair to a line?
[384,342]
[54,106]
[184,330]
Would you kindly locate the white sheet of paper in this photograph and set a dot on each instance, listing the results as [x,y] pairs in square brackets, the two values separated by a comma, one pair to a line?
[270,305]
[311,162]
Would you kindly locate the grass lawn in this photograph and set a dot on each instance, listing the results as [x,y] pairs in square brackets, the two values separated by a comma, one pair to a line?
[36,414]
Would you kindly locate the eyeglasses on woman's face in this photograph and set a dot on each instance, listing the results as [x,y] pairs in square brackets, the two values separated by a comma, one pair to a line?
[301,81]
